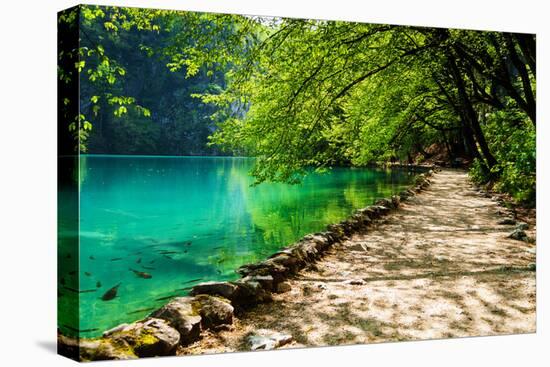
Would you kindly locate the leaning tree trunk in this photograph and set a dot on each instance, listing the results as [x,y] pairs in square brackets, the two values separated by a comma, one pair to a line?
[469,115]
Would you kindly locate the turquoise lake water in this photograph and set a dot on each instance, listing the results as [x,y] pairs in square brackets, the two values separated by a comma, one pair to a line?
[185,220]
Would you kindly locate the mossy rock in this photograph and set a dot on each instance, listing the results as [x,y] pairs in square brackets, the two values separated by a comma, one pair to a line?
[147,338]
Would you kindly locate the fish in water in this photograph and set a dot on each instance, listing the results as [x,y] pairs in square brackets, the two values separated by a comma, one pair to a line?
[72,272]
[187,243]
[111,293]
[68,256]
[142,274]
[147,267]
[79,291]
[87,273]
[62,281]
[91,257]
[184,251]
[138,261]
[168,252]
[78,330]
[168,257]
[141,310]
[165,298]
[192,281]
[116,258]
[98,284]
[152,261]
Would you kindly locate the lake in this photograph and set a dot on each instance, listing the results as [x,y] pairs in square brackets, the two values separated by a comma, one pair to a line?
[185,220]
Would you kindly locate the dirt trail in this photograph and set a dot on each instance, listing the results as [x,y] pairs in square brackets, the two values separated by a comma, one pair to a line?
[438,267]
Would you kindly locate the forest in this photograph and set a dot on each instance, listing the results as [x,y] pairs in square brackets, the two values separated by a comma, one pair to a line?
[302,94]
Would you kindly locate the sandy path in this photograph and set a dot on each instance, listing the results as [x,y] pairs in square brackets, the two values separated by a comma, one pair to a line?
[438,267]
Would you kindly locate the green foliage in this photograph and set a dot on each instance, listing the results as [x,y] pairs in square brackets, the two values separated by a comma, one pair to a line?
[304,94]
[513,141]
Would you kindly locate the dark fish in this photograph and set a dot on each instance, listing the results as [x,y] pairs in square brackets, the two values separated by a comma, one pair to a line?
[166,297]
[111,293]
[79,290]
[92,258]
[219,271]
[68,256]
[138,261]
[147,267]
[184,288]
[217,248]
[155,244]
[98,284]
[187,243]
[168,252]
[184,251]
[78,330]
[192,281]
[116,258]
[141,274]
[73,272]
[168,257]
[152,261]
[62,281]
[87,273]
[141,310]
[138,253]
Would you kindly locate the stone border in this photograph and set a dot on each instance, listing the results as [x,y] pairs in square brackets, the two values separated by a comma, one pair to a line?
[210,305]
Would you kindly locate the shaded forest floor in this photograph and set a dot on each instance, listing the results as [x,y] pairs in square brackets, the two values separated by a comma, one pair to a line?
[438,267]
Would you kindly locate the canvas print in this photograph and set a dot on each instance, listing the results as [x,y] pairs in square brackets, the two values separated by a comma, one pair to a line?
[244,183]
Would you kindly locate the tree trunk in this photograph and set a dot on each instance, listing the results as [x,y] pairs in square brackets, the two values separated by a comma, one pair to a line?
[469,115]
[531,107]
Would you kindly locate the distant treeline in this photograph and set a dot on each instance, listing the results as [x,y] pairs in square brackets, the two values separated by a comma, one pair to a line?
[145,108]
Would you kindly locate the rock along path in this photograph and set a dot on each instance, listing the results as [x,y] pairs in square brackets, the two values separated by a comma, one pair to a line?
[440,266]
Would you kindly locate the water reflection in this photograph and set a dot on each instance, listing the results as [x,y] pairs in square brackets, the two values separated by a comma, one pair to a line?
[184,220]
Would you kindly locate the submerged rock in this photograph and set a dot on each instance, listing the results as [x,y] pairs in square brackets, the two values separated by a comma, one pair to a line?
[148,338]
[268,339]
[181,315]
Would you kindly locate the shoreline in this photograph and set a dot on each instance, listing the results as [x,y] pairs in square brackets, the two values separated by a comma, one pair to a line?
[210,305]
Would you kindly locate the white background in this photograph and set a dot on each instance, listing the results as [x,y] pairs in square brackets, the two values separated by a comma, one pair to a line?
[28,180]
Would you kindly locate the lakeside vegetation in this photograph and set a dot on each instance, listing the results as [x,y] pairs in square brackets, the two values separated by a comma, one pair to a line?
[303,93]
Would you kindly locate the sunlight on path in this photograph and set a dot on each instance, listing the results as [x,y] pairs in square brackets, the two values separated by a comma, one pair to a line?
[438,267]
